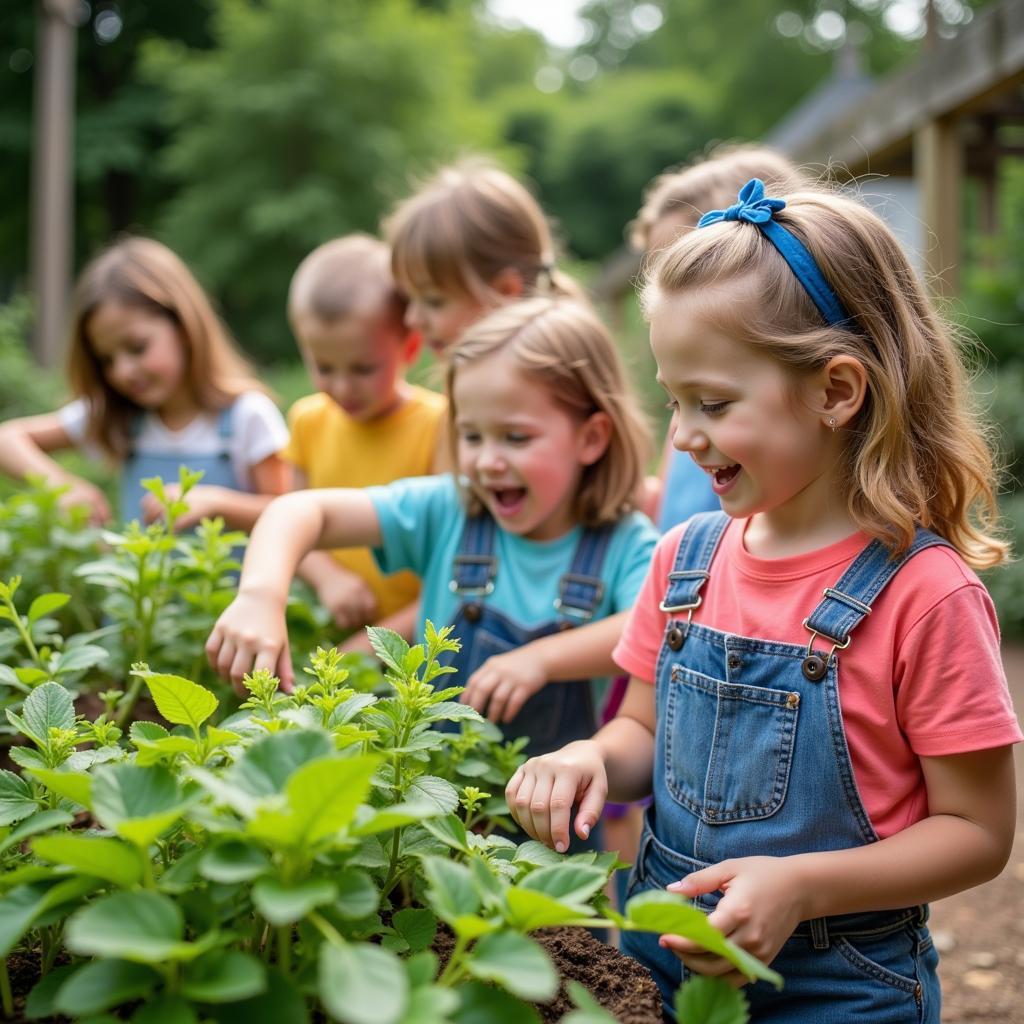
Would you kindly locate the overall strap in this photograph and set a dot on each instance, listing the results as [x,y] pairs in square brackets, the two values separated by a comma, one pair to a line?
[225,424]
[474,566]
[580,589]
[846,604]
[690,571]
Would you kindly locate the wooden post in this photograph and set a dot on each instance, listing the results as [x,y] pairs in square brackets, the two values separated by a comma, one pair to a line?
[52,177]
[938,171]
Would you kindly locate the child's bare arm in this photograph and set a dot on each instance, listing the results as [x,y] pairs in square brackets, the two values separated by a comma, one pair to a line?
[24,447]
[402,622]
[251,631]
[965,840]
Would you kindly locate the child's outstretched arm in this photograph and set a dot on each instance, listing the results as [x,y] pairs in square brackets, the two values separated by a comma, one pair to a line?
[618,761]
[965,840]
[24,447]
[251,631]
[503,684]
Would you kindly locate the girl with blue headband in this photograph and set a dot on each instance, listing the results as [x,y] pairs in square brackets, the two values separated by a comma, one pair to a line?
[816,698]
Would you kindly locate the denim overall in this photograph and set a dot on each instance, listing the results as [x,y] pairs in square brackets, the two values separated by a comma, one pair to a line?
[751,759]
[139,466]
[560,712]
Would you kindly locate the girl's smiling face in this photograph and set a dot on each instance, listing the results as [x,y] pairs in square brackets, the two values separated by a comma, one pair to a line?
[747,420]
[141,354]
[523,454]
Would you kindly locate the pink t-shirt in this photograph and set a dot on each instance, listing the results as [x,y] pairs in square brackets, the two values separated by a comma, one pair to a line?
[922,676]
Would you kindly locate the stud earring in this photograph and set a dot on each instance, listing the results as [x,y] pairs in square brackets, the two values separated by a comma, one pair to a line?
[832,425]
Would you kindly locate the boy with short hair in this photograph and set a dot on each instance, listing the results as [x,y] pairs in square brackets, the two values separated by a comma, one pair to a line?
[366,424]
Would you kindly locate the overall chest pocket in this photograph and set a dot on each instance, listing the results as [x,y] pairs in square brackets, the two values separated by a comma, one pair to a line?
[728,748]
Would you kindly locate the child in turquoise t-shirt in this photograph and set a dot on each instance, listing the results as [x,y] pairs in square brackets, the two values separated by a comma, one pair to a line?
[537,535]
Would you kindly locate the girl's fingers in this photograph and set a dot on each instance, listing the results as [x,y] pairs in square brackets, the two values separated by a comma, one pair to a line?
[591,805]
[213,642]
[560,801]
[520,805]
[285,672]
[242,663]
[225,656]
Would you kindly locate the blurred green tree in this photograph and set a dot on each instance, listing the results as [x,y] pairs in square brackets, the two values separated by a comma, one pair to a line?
[303,122]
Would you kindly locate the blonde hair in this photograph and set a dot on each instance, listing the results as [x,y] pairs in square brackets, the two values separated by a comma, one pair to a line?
[917,452]
[711,183]
[342,277]
[141,273]
[467,225]
[563,346]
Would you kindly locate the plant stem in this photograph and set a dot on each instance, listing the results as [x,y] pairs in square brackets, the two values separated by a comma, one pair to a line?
[6,997]
[454,969]
[284,949]
[325,928]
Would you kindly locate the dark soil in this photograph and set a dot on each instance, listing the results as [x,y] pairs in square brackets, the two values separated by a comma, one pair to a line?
[624,988]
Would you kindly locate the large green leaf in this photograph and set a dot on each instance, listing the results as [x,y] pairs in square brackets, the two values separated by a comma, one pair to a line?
[138,802]
[703,1000]
[233,861]
[322,800]
[450,830]
[431,789]
[362,984]
[389,646]
[516,963]
[369,821]
[568,883]
[224,976]
[179,700]
[450,890]
[144,927]
[41,822]
[528,910]
[39,1004]
[48,707]
[73,786]
[281,1003]
[167,1008]
[16,800]
[485,1004]
[45,604]
[668,913]
[103,984]
[266,767]
[417,926]
[285,904]
[22,905]
[358,895]
[108,859]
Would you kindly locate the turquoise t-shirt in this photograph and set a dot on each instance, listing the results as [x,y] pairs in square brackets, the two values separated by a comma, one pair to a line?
[421,522]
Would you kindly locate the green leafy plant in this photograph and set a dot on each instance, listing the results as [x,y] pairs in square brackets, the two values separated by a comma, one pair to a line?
[299,856]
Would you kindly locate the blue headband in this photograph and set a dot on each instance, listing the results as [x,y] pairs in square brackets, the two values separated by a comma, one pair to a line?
[754,208]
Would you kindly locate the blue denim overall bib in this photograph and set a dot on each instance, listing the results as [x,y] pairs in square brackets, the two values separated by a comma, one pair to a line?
[751,759]
[560,712]
[139,466]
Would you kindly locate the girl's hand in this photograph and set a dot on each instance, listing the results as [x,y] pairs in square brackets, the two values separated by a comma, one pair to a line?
[251,634]
[542,792]
[81,493]
[502,685]
[347,597]
[761,906]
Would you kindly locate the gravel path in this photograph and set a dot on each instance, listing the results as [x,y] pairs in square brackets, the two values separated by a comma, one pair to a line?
[980,933]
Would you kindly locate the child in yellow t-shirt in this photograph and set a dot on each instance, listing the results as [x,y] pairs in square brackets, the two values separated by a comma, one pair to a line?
[366,425]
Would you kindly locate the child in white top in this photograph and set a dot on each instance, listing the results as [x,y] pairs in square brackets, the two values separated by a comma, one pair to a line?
[159,383]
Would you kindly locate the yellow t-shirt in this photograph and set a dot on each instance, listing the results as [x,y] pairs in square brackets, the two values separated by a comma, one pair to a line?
[333,450]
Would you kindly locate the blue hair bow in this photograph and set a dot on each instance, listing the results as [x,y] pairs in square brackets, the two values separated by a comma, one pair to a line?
[754,208]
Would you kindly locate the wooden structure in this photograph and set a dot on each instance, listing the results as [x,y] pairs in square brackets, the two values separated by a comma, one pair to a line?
[938,120]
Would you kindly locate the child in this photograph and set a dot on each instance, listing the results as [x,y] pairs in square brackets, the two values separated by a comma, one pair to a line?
[827,752]
[472,239]
[158,383]
[673,203]
[534,536]
[365,425]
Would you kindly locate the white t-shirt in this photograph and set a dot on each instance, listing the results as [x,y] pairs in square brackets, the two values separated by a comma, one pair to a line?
[257,431]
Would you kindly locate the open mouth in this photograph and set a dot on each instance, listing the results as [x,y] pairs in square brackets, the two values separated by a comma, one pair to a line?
[722,477]
[508,500]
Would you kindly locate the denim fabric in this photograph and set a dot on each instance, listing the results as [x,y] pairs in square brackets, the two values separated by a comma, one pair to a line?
[560,712]
[216,468]
[751,758]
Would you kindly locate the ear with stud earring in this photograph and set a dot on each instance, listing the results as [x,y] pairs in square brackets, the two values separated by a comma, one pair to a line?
[832,424]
